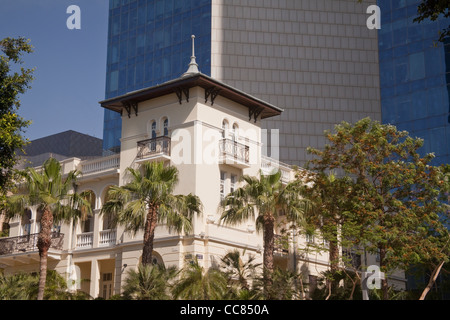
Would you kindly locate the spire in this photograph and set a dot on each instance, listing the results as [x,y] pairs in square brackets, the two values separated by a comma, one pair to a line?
[193,66]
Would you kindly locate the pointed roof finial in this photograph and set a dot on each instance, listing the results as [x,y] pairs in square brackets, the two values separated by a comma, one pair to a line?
[193,66]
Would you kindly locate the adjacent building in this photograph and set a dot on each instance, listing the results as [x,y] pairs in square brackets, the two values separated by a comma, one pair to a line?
[317,60]
[415,83]
[415,76]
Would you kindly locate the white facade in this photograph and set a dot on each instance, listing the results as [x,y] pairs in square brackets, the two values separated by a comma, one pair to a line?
[212,133]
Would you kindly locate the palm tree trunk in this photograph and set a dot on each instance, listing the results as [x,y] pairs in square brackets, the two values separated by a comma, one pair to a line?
[269,223]
[149,236]
[44,243]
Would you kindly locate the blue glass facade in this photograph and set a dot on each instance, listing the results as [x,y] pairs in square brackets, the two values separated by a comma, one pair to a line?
[149,42]
[415,76]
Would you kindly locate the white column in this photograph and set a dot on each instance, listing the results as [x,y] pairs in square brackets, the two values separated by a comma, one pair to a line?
[95,279]
[96,229]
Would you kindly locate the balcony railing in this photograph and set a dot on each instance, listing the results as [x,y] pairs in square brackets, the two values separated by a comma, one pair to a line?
[234,151]
[100,164]
[107,238]
[270,166]
[85,240]
[28,243]
[154,147]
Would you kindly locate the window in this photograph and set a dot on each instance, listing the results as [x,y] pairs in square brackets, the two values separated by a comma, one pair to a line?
[222,185]
[166,134]
[234,132]
[416,66]
[166,127]
[233,180]
[87,225]
[107,285]
[224,128]
[26,222]
[310,238]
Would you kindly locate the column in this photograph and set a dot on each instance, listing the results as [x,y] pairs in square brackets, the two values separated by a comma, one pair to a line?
[95,279]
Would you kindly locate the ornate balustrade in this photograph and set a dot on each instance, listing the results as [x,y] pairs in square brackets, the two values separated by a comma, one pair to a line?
[28,243]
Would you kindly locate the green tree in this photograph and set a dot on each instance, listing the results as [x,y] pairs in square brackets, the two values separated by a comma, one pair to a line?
[149,282]
[11,124]
[25,286]
[397,196]
[52,193]
[197,284]
[16,286]
[147,200]
[331,205]
[264,198]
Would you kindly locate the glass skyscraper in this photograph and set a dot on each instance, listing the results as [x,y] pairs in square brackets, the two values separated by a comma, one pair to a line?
[316,60]
[415,76]
[149,42]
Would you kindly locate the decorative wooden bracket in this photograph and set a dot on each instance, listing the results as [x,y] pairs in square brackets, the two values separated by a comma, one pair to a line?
[179,92]
[211,92]
[254,112]
[131,106]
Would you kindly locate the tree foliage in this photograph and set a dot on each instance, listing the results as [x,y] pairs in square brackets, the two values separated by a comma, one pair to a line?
[52,193]
[12,84]
[264,199]
[199,284]
[397,197]
[149,282]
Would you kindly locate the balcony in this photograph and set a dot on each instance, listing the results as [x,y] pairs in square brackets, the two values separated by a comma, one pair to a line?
[101,166]
[106,238]
[157,149]
[234,153]
[270,166]
[24,249]
[85,240]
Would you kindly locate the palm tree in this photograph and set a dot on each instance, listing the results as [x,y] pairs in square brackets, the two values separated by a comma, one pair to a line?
[16,286]
[198,284]
[238,270]
[148,200]
[54,196]
[264,199]
[149,282]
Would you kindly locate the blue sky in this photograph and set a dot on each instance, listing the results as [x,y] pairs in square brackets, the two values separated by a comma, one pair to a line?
[70,64]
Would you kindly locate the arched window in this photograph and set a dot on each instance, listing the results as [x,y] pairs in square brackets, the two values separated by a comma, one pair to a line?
[225,128]
[166,127]
[153,128]
[88,221]
[26,222]
[108,222]
[234,132]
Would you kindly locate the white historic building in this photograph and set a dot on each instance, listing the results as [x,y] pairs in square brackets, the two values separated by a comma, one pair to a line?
[212,133]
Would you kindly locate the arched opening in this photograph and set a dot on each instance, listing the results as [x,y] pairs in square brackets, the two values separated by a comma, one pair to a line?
[153,129]
[166,127]
[225,128]
[234,132]
[87,222]
[26,223]
[108,219]
[156,259]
